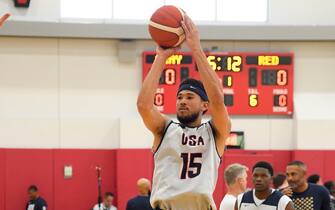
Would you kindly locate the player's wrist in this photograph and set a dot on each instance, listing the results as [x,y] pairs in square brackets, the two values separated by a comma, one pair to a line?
[197,50]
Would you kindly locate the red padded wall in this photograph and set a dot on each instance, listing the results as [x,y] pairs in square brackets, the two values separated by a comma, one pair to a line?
[2,179]
[23,168]
[313,159]
[81,191]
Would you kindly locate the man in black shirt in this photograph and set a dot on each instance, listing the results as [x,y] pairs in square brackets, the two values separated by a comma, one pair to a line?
[305,196]
[35,201]
[142,201]
[330,185]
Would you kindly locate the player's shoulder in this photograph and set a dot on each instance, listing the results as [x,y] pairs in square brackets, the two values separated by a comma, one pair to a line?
[285,199]
[317,188]
[228,202]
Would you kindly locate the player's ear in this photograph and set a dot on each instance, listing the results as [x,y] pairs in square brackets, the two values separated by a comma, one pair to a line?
[205,106]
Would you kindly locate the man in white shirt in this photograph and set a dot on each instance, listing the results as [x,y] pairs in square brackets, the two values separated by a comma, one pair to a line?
[107,204]
[235,177]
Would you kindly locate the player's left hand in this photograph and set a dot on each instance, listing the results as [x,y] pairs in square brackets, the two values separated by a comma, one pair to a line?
[191,33]
[166,52]
[4,18]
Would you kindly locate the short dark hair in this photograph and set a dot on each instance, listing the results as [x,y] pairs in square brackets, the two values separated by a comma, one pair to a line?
[109,194]
[298,163]
[330,185]
[32,188]
[263,164]
[278,180]
[314,178]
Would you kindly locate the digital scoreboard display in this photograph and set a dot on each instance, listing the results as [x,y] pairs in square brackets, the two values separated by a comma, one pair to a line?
[253,83]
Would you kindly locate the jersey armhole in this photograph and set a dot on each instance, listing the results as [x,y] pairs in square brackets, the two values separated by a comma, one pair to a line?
[167,125]
[214,136]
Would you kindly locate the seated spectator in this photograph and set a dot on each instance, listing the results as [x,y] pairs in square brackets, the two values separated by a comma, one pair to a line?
[36,202]
[107,203]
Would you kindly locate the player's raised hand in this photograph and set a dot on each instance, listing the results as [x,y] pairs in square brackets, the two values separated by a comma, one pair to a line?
[191,33]
[4,18]
[167,52]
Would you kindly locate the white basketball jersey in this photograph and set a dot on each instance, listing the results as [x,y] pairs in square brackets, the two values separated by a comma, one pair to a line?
[186,167]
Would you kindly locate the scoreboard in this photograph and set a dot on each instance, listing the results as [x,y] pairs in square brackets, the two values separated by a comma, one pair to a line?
[253,83]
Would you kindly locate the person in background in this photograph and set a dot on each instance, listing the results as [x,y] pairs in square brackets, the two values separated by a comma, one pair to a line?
[330,185]
[315,179]
[235,176]
[107,203]
[263,197]
[36,202]
[305,195]
[142,201]
[279,181]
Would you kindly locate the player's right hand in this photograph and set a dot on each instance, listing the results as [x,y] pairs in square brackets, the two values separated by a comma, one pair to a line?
[4,18]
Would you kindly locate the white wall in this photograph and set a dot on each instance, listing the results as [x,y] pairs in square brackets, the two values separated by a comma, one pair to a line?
[39,10]
[75,93]
[301,12]
[282,12]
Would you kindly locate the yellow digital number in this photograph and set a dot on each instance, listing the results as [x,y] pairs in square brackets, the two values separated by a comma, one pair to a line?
[234,63]
[211,61]
[253,100]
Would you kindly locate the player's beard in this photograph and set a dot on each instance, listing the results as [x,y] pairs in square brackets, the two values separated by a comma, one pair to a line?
[186,120]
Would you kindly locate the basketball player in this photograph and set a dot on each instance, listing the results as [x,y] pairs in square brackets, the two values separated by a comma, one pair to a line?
[263,197]
[4,18]
[186,154]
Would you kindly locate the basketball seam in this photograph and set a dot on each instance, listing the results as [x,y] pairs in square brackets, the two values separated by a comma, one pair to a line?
[181,39]
[179,31]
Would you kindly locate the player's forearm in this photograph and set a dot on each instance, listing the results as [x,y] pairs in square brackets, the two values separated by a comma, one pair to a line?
[147,94]
[209,78]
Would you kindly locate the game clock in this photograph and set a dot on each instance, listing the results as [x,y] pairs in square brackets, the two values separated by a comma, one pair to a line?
[253,83]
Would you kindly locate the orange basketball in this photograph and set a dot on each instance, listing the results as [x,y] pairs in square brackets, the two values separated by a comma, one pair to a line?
[165,26]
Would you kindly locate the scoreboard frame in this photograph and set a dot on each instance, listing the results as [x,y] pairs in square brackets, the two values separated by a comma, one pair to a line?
[254,83]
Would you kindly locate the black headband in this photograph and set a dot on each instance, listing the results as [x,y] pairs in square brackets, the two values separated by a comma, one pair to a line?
[198,90]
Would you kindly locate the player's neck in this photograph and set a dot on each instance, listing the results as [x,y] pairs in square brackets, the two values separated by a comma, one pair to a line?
[235,191]
[302,188]
[261,195]
[194,124]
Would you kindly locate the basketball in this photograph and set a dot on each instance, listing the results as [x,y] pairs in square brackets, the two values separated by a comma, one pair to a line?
[165,26]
